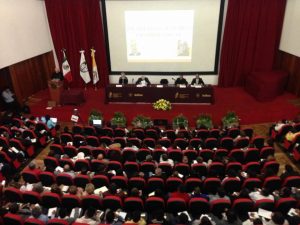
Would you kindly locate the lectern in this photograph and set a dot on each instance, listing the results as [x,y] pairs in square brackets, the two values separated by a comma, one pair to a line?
[55,89]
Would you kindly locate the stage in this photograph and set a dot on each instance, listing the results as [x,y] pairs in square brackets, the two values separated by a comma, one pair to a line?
[237,99]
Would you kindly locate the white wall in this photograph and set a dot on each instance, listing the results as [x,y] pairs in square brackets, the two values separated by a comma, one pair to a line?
[24,30]
[290,36]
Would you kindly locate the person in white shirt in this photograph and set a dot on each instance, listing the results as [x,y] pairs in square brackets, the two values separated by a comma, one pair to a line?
[164,158]
[9,99]
[263,194]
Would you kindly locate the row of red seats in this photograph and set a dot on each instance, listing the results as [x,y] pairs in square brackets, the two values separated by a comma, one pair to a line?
[195,206]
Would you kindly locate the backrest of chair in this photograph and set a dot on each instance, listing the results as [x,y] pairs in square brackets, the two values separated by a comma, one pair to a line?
[12,219]
[100,180]
[33,221]
[153,203]
[112,202]
[13,194]
[65,179]
[291,181]
[47,178]
[176,205]
[31,197]
[56,221]
[133,203]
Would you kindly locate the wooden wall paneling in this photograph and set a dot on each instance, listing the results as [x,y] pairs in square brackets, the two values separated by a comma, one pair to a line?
[31,76]
[5,80]
[291,64]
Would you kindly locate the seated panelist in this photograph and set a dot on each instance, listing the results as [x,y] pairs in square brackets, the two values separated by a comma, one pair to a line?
[143,81]
[123,79]
[197,80]
[181,80]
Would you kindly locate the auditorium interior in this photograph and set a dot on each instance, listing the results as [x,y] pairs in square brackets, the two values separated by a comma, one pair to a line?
[172,112]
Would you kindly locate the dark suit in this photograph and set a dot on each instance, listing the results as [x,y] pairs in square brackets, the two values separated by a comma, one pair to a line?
[181,81]
[58,75]
[123,80]
[200,81]
[139,81]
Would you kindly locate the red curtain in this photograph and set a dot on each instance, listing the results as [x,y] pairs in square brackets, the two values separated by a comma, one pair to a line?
[251,39]
[76,25]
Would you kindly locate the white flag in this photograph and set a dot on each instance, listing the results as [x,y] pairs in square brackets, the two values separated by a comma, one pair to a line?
[94,65]
[84,72]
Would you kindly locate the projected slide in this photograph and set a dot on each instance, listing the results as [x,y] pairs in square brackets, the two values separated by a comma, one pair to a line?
[163,36]
[159,36]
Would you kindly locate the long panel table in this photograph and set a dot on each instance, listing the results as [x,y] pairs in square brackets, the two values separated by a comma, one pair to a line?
[150,94]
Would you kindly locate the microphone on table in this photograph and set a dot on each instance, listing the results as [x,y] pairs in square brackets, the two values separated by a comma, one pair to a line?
[133,80]
[173,78]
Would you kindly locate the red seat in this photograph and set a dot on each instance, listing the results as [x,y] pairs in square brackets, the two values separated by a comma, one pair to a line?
[227,143]
[211,143]
[252,183]
[231,184]
[56,221]
[66,161]
[172,183]
[242,142]
[292,181]
[142,154]
[91,201]
[100,180]
[78,140]
[105,140]
[219,206]
[284,205]
[12,219]
[176,205]
[79,163]
[114,165]
[153,203]
[166,168]
[155,183]
[50,200]
[175,155]
[237,154]
[51,162]
[165,142]
[30,176]
[200,169]
[266,151]
[77,129]
[206,154]
[202,133]
[147,167]
[13,194]
[120,140]
[236,166]
[195,143]
[89,130]
[181,143]
[81,180]
[191,154]
[65,138]
[137,182]
[69,201]
[139,133]
[94,141]
[182,168]
[217,168]
[242,206]
[198,206]
[266,204]
[131,167]
[112,202]
[33,221]
[47,178]
[57,149]
[271,165]
[65,179]
[272,183]
[133,204]
[251,155]
[191,183]
[234,132]
[120,132]
[258,142]
[211,185]
[70,150]
[221,153]
[120,181]
[31,197]
[149,142]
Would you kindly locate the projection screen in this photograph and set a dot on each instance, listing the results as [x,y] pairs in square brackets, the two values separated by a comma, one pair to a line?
[163,36]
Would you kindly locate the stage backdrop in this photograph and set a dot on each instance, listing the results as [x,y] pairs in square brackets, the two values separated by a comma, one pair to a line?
[251,39]
[76,25]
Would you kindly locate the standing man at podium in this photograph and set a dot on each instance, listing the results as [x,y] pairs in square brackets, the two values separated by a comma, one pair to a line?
[123,79]
[57,75]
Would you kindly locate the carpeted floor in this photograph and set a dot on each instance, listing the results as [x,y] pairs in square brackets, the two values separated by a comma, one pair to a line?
[248,109]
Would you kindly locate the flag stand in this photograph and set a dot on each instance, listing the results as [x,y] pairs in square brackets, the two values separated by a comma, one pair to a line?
[85,88]
[96,87]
